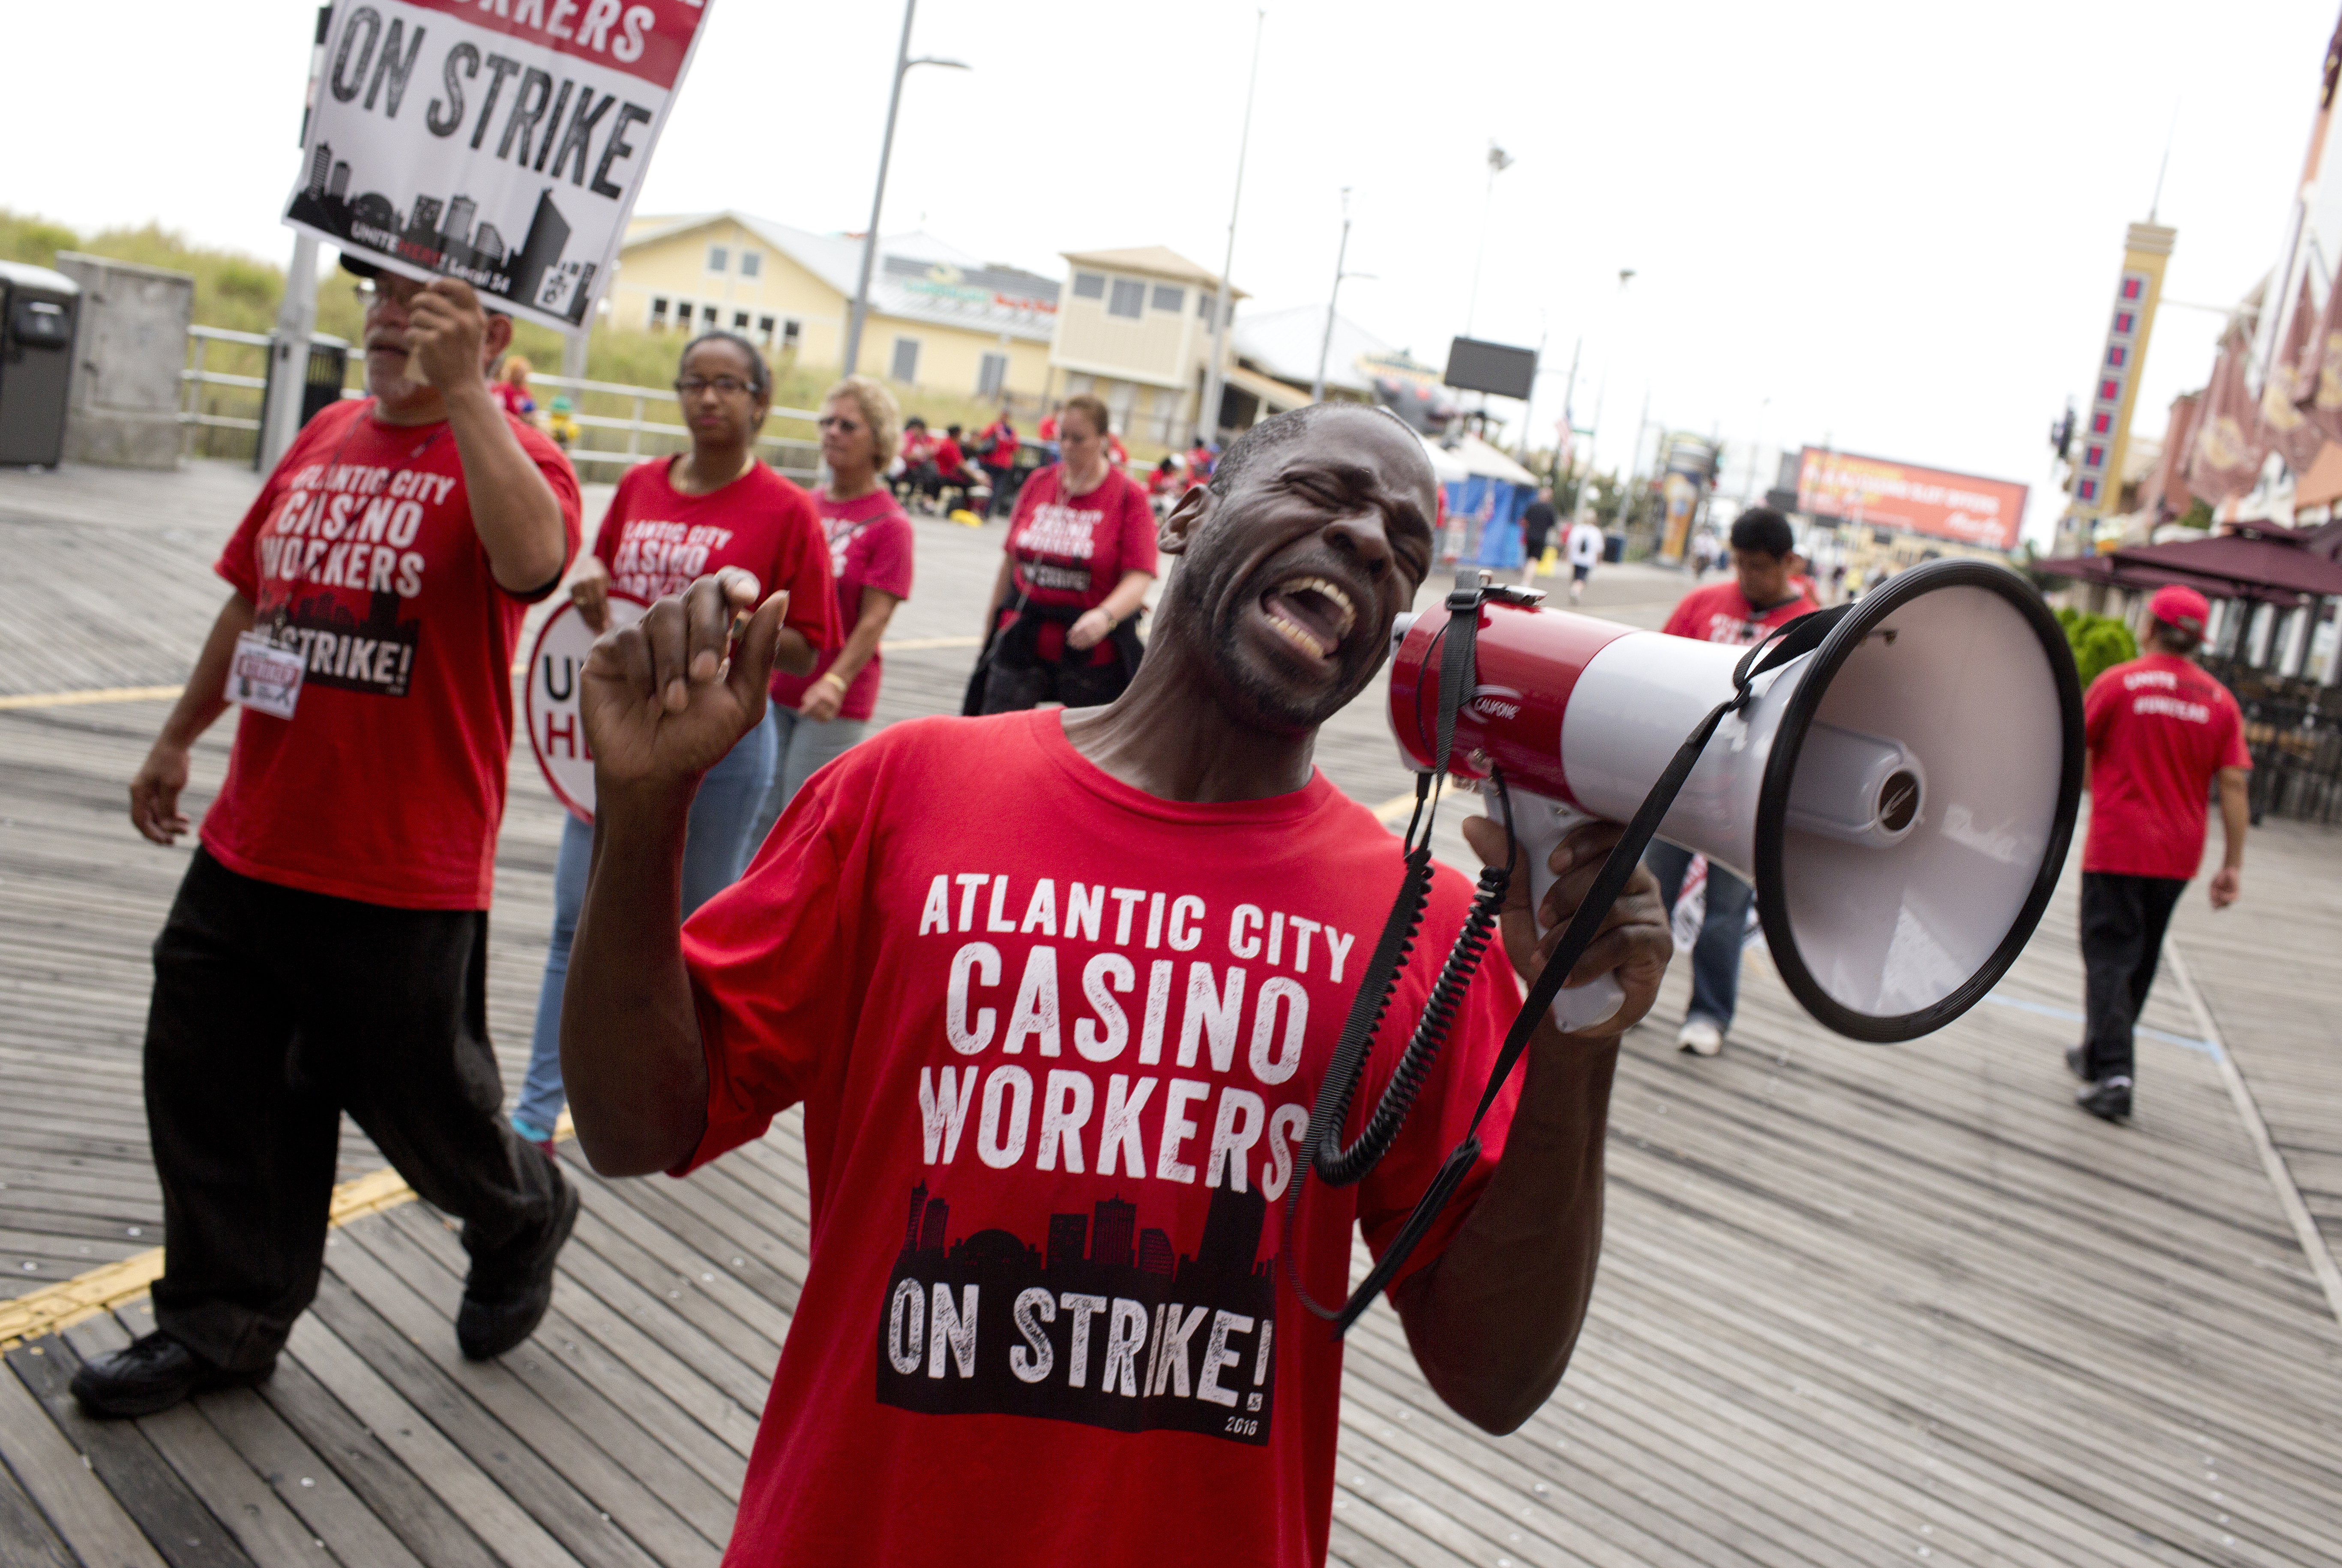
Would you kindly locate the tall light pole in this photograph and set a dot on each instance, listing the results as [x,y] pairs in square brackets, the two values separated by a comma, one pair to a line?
[1499,161]
[296,313]
[1207,417]
[902,64]
[1626,276]
[1325,345]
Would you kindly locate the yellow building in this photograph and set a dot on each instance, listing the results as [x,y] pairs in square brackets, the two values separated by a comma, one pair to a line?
[1134,329]
[939,319]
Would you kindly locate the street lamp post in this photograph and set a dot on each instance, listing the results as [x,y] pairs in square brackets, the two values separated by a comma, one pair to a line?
[1499,161]
[902,64]
[1208,416]
[1326,345]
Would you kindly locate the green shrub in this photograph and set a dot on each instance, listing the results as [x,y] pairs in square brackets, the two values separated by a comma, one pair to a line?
[2099,643]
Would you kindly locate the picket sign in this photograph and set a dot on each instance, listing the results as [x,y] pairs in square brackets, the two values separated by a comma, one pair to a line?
[501,142]
[557,729]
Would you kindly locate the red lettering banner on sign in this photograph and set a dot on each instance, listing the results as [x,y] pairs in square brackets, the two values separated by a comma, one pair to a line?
[646,39]
[1882,494]
[500,142]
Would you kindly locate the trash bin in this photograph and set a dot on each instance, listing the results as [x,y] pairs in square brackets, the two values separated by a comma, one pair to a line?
[1614,548]
[321,383]
[39,310]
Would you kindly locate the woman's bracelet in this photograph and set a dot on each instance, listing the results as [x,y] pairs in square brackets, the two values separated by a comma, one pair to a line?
[831,676]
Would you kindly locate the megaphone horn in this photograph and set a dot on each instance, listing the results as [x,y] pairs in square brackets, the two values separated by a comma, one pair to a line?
[1902,796]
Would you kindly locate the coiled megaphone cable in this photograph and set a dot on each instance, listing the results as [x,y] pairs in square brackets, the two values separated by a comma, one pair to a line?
[1321,1150]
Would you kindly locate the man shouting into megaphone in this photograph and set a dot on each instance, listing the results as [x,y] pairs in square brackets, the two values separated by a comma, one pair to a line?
[1056,991]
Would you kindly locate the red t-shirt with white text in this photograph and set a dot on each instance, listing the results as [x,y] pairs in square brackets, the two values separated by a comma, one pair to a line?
[1721,612]
[1056,1041]
[655,540]
[2158,728]
[1072,552]
[870,546]
[387,784]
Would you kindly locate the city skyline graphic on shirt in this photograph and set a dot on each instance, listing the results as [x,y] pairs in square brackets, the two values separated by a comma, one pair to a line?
[441,235]
[1138,1336]
[376,654]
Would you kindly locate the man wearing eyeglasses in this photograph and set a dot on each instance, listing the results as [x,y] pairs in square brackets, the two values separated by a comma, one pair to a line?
[327,949]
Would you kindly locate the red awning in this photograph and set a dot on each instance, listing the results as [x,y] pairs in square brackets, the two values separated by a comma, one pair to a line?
[2250,559]
[2117,574]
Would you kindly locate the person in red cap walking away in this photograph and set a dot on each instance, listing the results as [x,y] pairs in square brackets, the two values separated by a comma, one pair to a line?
[2160,731]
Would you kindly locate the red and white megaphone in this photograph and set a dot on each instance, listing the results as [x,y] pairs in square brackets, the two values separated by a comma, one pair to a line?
[1901,797]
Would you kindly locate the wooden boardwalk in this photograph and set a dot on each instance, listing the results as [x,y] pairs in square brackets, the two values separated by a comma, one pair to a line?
[1857,1304]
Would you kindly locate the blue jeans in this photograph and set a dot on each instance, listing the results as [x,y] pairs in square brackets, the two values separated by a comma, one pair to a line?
[1716,956]
[802,746]
[715,847]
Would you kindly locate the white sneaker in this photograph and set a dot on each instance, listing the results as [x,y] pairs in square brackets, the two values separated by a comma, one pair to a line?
[1700,1036]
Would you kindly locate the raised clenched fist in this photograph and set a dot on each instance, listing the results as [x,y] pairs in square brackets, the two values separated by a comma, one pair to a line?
[665,698]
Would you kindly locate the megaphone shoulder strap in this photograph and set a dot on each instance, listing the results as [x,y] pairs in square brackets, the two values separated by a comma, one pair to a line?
[1790,641]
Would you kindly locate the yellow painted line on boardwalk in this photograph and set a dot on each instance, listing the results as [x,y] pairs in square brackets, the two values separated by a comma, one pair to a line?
[170,694]
[1396,809]
[918,645]
[99,695]
[68,1301]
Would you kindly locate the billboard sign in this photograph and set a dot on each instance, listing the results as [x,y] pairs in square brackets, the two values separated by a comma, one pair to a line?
[1498,369]
[502,142]
[1930,500]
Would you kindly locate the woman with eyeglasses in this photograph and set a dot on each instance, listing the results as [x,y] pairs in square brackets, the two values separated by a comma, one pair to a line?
[1080,555]
[818,717]
[672,520]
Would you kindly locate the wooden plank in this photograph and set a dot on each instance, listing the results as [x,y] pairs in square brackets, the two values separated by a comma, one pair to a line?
[65,1485]
[715,1451]
[269,1532]
[170,1513]
[488,1445]
[322,1442]
[723,1299]
[598,1448]
[349,1371]
[332,1516]
[25,1538]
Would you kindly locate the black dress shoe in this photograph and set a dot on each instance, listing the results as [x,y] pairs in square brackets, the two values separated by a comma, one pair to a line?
[2109,1099]
[152,1373]
[2077,1062]
[506,1297]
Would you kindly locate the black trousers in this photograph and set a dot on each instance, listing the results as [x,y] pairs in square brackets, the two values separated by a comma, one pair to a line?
[2123,922]
[275,1010]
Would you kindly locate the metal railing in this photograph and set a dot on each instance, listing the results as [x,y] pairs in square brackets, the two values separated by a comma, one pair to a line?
[198,408]
[2296,753]
[613,418]
[625,440]
[2293,730]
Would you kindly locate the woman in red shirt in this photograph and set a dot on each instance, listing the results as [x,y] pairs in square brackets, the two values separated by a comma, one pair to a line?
[1080,555]
[821,714]
[674,519]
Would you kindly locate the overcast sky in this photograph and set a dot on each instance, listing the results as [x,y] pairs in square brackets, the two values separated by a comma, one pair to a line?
[1899,224]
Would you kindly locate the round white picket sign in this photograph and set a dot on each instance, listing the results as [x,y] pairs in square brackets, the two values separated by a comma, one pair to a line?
[556,731]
